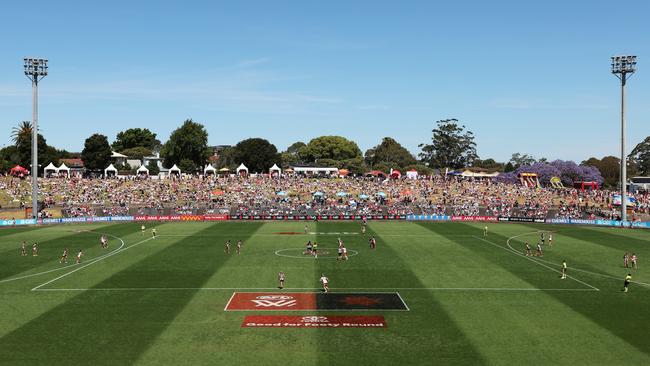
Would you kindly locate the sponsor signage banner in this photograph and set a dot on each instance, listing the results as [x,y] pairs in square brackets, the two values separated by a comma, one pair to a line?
[313,321]
[427,218]
[273,301]
[17,222]
[474,218]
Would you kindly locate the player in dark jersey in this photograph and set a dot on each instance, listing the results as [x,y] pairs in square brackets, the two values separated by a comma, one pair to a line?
[538,252]
[23,249]
[34,250]
[627,281]
[239,247]
[528,250]
[64,256]
[226,249]
[309,248]
[373,243]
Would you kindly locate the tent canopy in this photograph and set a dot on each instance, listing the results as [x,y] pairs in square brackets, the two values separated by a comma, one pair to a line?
[18,170]
[209,168]
[64,167]
[242,168]
[174,169]
[143,169]
[275,168]
[110,168]
[50,167]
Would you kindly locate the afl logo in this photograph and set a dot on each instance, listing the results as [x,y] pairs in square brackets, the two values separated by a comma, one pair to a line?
[274,297]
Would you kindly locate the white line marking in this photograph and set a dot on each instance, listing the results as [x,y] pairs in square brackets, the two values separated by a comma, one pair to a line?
[403,302]
[91,263]
[228,303]
[572,268]
[311,289]
[541,264]
[68,266]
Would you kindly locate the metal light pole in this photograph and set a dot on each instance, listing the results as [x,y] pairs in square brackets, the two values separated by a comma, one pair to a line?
[35,70]
[623,67]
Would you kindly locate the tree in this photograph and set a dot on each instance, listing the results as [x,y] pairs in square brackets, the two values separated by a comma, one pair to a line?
[518,160]
[186,166]
[451,146]
[137,152]
[291,156]
[257,154]
[226,159]
[488,164]
[135,137]
[23,129]
[153,168]
[329,147]
[391,153]
[96,154]
[190,141]
[24,150]
[609,168]
[640,156]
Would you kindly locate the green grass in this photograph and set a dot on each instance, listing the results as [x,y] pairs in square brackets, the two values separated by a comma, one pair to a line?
[472,300]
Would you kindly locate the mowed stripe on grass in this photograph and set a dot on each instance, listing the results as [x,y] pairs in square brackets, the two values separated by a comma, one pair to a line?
[114,328]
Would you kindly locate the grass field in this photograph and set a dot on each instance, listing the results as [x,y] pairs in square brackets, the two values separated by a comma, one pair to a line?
[472,300]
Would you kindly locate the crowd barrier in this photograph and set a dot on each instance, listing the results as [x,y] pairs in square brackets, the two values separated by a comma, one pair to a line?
[163,218]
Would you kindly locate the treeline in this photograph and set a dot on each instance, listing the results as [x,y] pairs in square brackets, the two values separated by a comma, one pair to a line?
[451,146]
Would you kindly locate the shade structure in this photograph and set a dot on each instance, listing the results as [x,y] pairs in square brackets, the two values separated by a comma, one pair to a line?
[275,170]
[224,170]
[64,169]
[142,170]
[281,193]
[209,169]
[242,169]
[381,194]
[51,169]
[319,194]
[364,196]
[412,174]
[341,194]
[343,172]
[18,170]
[175,170]
[395,174]
[110,170]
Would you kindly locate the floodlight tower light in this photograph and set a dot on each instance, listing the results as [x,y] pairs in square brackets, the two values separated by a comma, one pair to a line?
[35,70]
[623,67]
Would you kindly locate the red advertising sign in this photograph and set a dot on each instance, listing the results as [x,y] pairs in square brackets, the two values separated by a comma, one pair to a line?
[271,301]
[313,321]
[215,217]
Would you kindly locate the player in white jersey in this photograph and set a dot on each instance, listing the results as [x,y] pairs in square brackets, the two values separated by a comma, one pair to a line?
[79,255]
[154,233]
[281,279]
[564,269]
[34,250]
[238,247]
[325,282]
[64,256]
[104,242]
[142,228]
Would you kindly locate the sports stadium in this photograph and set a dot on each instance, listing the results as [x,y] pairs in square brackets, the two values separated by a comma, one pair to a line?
[128,238]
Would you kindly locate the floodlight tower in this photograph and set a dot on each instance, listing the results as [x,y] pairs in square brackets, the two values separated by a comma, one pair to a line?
[35,70]
[623,67]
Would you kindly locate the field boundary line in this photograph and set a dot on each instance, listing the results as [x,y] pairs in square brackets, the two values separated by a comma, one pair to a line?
[89,264]
[68,266]
[312,289]
[572,268]
[534,261]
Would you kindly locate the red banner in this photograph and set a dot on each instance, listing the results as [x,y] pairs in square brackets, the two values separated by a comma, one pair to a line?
[271,301]
[313,321]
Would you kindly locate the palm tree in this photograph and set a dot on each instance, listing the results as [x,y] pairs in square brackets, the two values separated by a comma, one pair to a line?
[24,129]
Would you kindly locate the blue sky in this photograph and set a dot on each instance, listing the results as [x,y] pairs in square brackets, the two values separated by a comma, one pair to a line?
[530,77]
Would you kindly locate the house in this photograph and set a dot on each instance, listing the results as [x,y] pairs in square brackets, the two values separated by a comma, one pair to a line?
[119,159]
[76,165]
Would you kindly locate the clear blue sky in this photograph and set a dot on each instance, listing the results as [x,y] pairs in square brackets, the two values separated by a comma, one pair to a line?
[530,77]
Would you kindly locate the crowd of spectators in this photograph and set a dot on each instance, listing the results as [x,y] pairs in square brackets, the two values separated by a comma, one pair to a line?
[292,195]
